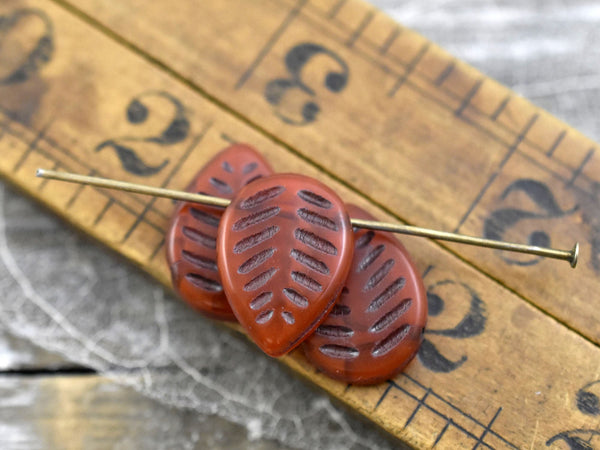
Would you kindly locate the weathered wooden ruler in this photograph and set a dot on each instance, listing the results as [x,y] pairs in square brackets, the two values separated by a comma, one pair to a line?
[148,92]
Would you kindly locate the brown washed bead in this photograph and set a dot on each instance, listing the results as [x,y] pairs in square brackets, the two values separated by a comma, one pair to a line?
[285,247]
[376,327]
[191,238]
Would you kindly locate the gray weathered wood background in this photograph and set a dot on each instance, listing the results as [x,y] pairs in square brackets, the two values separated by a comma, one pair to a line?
[546,50]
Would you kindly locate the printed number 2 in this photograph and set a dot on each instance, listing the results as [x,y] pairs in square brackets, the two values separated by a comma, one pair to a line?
[137,113]
[503,219]
[296,62]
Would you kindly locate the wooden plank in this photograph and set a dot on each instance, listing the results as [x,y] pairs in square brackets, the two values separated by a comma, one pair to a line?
[20,355]
[93,412]
[428,138]
[494,370]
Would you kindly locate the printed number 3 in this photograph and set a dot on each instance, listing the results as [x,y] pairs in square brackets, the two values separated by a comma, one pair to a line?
[296,61]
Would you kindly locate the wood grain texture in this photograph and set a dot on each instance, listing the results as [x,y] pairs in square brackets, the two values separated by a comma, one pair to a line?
[417,116]
[424,118]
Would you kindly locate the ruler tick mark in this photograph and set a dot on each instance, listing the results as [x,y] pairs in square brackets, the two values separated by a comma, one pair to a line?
[32,147]
[469,97]
[441,433]
[495,174]
[500,108]
[390,40]
[43,184]
[413,64]
[579,169]
[416,410]
[384,395]
[556,143]
[445,73]
[336,9]
[361,28]
[270,43]
[78,191]
[103,211]
[156,249]
[151,202]
[487,429]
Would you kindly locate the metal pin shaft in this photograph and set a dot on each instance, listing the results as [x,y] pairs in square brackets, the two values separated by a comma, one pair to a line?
[568,255]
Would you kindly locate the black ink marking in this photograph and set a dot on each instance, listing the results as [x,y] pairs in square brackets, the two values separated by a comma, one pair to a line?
[39,56]
[176,131]
[409,69]
[587,401]
[295,61]
[361,27]
[500,220]
[472,324]
[270,43]
[556,143]
[469,97]
[494,175]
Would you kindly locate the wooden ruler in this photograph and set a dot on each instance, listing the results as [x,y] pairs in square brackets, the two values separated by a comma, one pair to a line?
[148,92]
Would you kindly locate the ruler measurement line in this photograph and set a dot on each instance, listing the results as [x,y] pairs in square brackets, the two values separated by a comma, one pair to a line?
[361,28]
[23,139]
[552,172]
[495,174]
[175,169]
[103,211]
[390,40]
[503,104]
[579,168]
[469,97]
[556,143]
[336,9]
[156,249]
[383,395]
[386,69]
[270,43]
[440,414]
[30,148]
[441,433]
[78,192]
[101,191]
[416,410]
[445,73]
[487,429]
[44,182]
[409,70]
[435,82]
[446,402]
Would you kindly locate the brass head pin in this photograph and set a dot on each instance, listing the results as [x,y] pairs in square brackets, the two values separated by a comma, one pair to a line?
[567,255]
